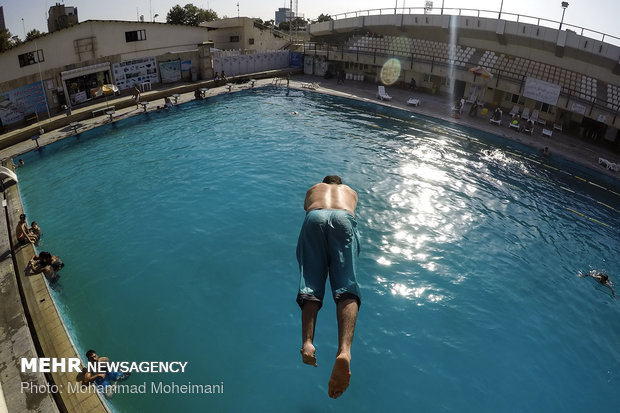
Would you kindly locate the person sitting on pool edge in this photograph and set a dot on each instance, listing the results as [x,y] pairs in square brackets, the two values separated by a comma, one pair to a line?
[22,232]
[601,278]
[329,242]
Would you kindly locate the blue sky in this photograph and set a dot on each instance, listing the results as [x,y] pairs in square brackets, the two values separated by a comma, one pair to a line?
[598,15]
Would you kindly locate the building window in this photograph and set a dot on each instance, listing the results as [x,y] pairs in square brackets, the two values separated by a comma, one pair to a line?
[234,39]
[543,107]
[514,98]
[30,58]
[251,41]
[135,36]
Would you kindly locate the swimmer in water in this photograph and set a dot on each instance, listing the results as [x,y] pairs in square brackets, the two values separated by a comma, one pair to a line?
[603,279]
[102,376]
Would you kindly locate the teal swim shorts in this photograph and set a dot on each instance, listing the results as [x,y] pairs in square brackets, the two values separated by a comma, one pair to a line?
[328,243]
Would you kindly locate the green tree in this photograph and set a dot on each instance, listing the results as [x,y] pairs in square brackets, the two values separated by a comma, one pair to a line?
[298,22]
[190,15]
[176,15]
[33,34]
[5,40]
[323,18]
[284,26]
[8,41]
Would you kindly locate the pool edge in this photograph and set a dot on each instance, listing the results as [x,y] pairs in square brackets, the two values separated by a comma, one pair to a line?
[48,331]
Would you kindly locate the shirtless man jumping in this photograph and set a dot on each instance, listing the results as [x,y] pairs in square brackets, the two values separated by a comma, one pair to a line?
[328,243]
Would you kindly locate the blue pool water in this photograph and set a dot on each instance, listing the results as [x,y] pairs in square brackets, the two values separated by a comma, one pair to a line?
[178,230]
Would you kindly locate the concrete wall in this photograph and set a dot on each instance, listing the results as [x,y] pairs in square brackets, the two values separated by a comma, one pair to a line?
[243,63]
[221,31]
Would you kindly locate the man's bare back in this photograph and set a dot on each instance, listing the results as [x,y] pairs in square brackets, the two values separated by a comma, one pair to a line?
[331,196]
[337,201]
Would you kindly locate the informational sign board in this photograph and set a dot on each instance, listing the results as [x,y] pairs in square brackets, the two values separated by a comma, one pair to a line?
[17,103]
[132,73]
[170,71]
[578,108]
[542,91]
[295,59]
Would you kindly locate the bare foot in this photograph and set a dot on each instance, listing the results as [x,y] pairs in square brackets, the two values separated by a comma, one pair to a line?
[341,375]
[307,354]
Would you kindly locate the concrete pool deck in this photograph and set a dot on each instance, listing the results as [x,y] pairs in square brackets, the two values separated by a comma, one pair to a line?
[561,145]
[26,301]
[35,329]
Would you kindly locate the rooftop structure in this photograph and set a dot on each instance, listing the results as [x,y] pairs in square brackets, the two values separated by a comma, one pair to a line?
[244,33]
[61,17]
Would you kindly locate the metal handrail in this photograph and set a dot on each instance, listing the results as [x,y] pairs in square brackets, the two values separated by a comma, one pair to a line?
[475,13]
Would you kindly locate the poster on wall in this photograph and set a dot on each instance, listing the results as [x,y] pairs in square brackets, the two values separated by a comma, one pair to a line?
[541,91]
[578,108]
[295,60]
[16,104]
[170,71]
[135,72]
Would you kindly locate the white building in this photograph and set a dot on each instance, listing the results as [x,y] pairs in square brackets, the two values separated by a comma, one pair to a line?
[68,67]
[245,34]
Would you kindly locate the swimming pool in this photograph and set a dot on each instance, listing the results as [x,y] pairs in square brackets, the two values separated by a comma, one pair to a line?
[178,230]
